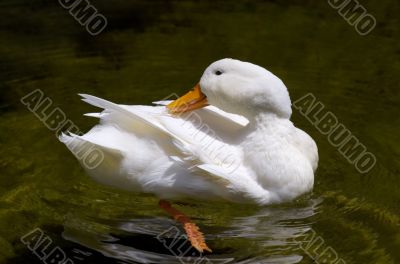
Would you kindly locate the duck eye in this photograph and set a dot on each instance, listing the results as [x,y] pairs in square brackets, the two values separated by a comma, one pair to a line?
[218,72]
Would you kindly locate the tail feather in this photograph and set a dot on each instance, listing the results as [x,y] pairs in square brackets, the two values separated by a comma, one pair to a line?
[133,113]
[96,115]
[99,102]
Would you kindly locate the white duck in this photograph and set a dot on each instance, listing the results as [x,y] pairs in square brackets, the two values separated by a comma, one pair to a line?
[242,147]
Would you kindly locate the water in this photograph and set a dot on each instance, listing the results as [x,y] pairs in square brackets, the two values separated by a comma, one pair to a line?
[153,48]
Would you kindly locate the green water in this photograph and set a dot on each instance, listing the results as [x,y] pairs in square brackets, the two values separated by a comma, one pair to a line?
[153,48]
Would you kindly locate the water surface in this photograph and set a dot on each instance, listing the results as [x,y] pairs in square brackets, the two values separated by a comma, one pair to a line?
[153,48]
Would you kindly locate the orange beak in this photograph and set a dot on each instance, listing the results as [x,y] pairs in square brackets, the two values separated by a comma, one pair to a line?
[194,99]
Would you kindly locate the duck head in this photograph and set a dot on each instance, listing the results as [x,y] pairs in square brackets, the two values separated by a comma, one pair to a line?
[237,87]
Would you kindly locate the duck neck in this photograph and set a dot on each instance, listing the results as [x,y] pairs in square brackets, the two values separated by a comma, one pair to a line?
[267,121]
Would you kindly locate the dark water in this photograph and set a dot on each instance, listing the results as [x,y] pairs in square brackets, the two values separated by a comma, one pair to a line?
[153,48]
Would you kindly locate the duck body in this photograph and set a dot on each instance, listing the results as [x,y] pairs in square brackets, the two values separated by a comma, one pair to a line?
[276,154]
[241,148]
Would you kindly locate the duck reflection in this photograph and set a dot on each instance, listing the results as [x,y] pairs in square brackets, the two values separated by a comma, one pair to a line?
[270,235]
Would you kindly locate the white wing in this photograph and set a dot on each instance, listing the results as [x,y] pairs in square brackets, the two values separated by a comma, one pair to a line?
[238,119]
[200,136]
[240,188]
[202,143]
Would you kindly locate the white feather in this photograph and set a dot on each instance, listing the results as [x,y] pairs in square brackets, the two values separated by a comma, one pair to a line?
[242,149]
